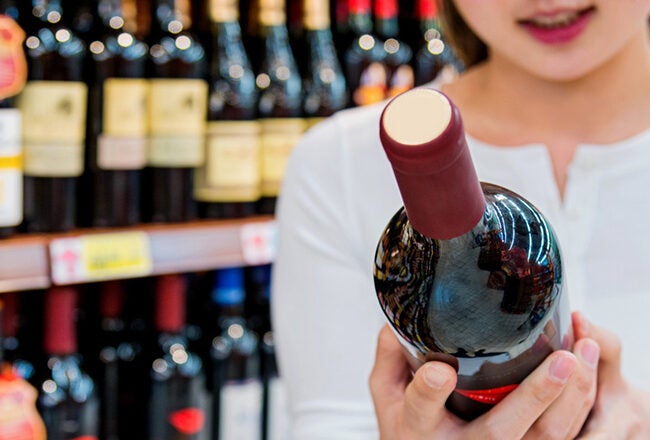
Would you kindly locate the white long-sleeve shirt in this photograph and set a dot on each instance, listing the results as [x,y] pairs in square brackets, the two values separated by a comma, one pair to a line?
[338,195]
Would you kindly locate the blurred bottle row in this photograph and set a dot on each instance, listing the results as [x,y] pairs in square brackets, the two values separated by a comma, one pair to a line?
[117,112]
[172,357]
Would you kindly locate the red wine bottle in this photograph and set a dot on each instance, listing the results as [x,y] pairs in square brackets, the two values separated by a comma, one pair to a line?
[397,54]
[177,112]
[118,116]
[68,399]
[228,184]
[53,105]
[280,100]
[365,71]
[12,80]
[324,86]
[237,385]
[121,392]
[467,273]
[434,54]
[178,399]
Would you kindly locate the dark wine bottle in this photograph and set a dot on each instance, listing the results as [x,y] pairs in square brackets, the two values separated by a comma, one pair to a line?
[178,399]
[467,273]
[177,112]
[398,54]
[257,281]
[237,390]
[14,352]
[118,116]
[324,87]
[68,399]
[228,184]
[12,80]
[53,105]
[280,100]
[434,54]
[365,71]
[122,412]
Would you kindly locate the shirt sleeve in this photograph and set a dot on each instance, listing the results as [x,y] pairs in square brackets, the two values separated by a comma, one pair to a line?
[324,310]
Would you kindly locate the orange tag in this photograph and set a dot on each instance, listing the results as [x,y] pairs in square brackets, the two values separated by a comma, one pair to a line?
[13,65]
[19,419]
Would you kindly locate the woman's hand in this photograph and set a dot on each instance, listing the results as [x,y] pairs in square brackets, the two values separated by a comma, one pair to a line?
[620,411]
[552,403]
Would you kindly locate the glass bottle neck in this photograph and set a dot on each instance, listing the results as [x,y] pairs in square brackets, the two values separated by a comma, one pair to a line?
[360,23]
[387,27]
[173,16]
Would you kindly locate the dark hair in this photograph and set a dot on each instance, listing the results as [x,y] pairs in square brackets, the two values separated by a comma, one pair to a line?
[466,44]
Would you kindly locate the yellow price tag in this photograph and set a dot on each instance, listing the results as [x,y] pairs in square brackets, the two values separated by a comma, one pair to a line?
[100,257]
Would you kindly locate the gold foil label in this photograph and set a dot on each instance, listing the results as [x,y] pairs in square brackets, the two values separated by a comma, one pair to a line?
[279,136]
[271,12]
[232,163]
[316,14]
[178,111]
[56,129]
[125,107]
[224,11]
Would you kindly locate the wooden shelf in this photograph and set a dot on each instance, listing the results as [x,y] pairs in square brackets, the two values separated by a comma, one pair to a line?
[26,262]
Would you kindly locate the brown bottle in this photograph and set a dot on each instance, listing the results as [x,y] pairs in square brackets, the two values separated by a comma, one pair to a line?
[177,112]
[53,105]
[118,118]
[280,101]
[228,184]
[14,73]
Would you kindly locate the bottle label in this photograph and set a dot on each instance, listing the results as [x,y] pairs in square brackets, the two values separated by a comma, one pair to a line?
[19,419]
[54,128]
[118,153]
[11,179]
[279,136]
[232,163]
[241,415]
[489,397]
[13,66]
[372,85]
[177,114]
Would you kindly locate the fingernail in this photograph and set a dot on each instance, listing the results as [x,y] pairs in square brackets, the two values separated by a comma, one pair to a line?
[589,353]
[562,367]
[434,376]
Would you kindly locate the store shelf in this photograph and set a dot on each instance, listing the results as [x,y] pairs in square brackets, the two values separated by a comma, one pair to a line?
[37,261]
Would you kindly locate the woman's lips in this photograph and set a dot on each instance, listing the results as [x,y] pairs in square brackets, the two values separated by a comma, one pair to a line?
[559,28]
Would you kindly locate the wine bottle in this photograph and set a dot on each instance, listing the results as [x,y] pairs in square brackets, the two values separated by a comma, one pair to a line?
[53,105]
[434,54]
[11,344]
[177,112]
[237,389]
[19,418]
[228,184]
[257,282]
[12,80]
[118,115]
[324,87]
[68,399]
[178,399]
[280,100]
[365,71]
[398,54]
[467,273]
[121,392]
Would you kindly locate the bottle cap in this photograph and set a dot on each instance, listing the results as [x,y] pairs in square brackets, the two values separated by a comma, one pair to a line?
[60,336]
[422,134]
[427,9]
[385,9]
[170,303]
[359,6]
[9,309]
[112,299]
[229,287]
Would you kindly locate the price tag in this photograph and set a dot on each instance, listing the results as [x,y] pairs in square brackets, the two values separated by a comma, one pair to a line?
[259,242]
[100,257]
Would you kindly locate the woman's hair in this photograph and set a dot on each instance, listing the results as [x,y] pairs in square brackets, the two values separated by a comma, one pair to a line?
[467,46]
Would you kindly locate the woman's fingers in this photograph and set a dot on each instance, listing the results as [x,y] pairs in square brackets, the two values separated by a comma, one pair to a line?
[515,414]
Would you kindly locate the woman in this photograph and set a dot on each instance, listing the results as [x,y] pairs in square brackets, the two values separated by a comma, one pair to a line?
[556,104]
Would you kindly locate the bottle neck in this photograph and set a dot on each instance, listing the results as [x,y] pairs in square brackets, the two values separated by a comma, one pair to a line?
[226,33]
[119,14]
[272,19]
[173,16]
[359,17]
[386,23]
